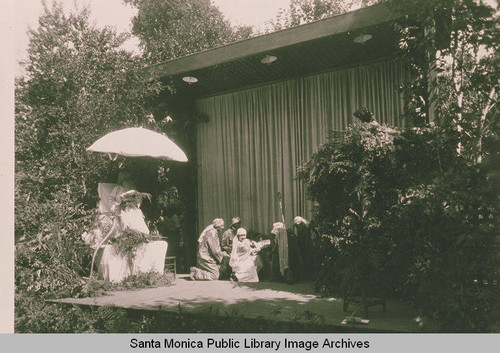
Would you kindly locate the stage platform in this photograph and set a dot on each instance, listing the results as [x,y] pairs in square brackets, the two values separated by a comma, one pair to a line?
[263,301]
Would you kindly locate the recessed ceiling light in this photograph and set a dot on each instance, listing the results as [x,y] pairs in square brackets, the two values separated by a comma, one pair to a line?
[268,59]
[190,79]
[362,38]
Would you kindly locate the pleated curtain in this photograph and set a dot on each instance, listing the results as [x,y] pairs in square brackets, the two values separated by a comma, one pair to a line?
[255,139]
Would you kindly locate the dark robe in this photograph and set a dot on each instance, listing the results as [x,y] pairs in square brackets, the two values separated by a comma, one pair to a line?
[305,251]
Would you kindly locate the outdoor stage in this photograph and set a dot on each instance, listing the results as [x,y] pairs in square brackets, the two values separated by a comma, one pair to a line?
[263,300]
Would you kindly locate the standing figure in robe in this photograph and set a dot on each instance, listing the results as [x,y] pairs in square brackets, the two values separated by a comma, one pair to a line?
[210,254]
[226,244]
[305,246]
[281,247]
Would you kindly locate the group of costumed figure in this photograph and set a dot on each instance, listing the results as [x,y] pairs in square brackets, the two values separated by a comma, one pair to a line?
[288,254]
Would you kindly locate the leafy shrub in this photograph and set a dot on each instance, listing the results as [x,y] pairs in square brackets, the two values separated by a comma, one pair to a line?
[447,231]
[54,261]
[350,178]
[403,215]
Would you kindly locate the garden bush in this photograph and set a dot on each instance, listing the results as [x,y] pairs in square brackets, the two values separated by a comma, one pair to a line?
[54,259]
[350,178]
[403,215]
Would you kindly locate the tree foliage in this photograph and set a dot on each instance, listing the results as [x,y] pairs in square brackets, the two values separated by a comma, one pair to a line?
[451,47]
[172,28]
[304,11]
[79,85]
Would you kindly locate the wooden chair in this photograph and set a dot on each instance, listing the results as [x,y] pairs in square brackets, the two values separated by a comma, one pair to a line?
[171,265]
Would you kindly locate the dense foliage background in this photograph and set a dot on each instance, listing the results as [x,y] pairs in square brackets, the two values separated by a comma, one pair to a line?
[78,86]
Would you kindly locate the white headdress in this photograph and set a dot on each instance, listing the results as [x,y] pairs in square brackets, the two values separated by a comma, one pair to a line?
[277,226]
[299,220]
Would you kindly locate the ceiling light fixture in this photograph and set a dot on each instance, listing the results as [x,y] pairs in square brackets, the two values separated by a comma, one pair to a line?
[362,38]
[268,59]
[190,79]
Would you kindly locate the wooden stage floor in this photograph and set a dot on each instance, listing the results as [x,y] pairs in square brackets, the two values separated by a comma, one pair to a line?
[263,300]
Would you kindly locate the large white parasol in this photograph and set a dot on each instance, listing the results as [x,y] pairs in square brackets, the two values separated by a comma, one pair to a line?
[139,142]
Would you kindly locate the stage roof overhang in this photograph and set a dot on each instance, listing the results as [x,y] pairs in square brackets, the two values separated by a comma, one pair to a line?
[315,47]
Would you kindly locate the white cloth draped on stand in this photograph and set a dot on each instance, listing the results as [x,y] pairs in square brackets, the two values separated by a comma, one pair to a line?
[114,267]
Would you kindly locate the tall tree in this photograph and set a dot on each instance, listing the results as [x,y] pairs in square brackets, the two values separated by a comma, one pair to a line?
[304,11]
[78,85]
[172,28]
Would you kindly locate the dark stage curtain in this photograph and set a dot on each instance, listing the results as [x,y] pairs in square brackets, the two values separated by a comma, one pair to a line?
[256,138]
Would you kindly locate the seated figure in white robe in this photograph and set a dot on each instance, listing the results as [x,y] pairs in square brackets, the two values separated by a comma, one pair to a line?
[244,259]
[130,218]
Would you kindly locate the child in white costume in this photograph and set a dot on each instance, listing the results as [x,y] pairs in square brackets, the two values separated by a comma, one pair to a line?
[244,260]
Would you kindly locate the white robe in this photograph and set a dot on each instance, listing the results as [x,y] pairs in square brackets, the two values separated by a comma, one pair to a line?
[243,261]
[131,219]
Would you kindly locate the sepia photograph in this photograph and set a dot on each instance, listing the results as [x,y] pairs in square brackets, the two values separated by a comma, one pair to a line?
[253,166]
